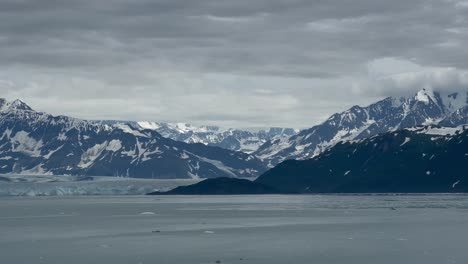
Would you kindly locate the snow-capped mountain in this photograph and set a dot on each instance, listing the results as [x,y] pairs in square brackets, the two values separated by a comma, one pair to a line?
[232,139]
[38,143]
[420,159]
[390,114]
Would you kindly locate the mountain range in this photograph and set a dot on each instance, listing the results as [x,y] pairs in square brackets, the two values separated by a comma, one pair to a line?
[232,139]
[426,107]
[416,160]
[34,142]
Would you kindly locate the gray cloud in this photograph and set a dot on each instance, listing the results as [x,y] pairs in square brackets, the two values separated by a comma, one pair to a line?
[235,63]
[398,77]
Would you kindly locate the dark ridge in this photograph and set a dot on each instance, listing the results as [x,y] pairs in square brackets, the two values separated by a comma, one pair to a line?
[221,186]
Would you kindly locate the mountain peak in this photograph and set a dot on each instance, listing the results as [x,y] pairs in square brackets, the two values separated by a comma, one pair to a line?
[20,105]
[17,104]
[425,95]
[390,114]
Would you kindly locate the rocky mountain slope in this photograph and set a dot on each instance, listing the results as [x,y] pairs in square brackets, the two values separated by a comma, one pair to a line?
[38,143]
[427,159]
[390,114]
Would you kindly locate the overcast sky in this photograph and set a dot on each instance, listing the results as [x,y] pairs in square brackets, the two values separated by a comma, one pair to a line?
[234,63]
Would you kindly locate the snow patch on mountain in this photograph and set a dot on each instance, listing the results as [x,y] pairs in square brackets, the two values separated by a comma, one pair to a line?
[407,139]
[127,129]
[425,96]
[91,154]
[48,155]
[114,145]
[439,131]
[21,142]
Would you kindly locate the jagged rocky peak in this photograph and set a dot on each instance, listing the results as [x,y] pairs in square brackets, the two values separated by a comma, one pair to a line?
[17,104]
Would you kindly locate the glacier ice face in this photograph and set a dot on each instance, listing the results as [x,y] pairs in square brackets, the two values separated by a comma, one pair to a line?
[27,185]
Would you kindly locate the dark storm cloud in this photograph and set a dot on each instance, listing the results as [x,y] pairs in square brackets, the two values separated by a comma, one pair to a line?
[313,57]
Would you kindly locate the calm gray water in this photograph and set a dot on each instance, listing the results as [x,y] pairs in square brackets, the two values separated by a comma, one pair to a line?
[234,229]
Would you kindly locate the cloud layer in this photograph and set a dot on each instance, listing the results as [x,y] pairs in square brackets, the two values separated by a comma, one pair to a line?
[234,63]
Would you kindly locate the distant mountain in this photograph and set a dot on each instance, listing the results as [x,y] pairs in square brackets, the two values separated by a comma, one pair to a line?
[38,143]
[390,114]
[417,160]
[232,139]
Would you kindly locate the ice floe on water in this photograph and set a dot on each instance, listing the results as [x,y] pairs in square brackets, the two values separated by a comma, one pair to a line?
[147,213]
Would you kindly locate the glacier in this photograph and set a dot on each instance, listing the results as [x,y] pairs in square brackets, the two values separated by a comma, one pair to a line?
[63,185]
